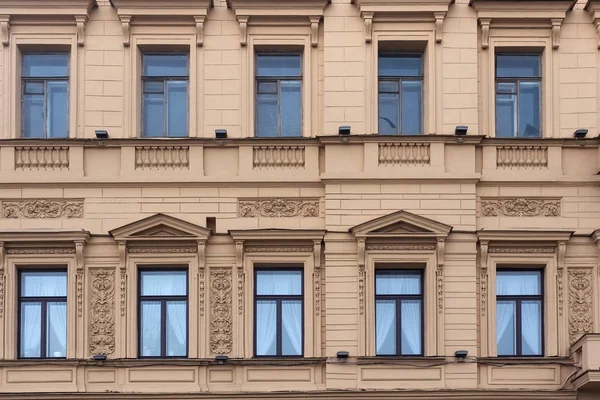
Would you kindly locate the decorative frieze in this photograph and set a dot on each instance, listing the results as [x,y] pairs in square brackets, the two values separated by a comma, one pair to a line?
[162,157]
[522,250]
[291,157]
[42,157]
[102,309]
[278,207]
[162,250]
[41,250]
[521,207]
[404,153]
[42,208]
[522,157]
[279,249]
[221,331]
[401,247]
[581,318]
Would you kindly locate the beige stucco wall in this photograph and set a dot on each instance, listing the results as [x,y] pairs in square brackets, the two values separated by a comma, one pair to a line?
[509,201]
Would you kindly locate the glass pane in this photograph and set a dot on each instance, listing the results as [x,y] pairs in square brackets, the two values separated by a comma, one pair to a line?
[56,322]
[389,109]
[410,323]
[398,282]
[31,330]
[45,65]
[48,284]
[150,329]
[291,108]
[33,116]
[389,86]
[266,115]
[412,107]
[507,87]
[400,66]
[154,86]
[506,328]
[385,326]
[279,65]
[529,109]
[176,328]
[518,283]
[164,283]
[291,327]
[177,106]
[267,87]
[517,65]
[287,282]
[34,87]
[266,328]
[165,65]
[506,115]
[154,115]
[58,109]
[531,329]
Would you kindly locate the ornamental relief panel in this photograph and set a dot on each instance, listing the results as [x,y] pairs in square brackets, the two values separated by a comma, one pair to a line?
[581,303]
[521,207]
[102,311]
[278,207]
[221,329]
[42,208]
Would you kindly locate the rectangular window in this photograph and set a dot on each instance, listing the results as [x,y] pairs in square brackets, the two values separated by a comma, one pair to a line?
[165,79]
[42,314]
[399,312]
[519,312]
[278,94]
[45,95]
[400,94]
[518,95]
[163,313]
[279,312]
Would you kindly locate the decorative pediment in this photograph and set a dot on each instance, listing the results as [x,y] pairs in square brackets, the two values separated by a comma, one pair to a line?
[250,12]
[403,11]
[160,227]
[401,224]
[133,12]
[15,12]
[521,14]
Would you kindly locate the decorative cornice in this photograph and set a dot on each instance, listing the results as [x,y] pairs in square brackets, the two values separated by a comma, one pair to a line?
[278,207]
[42,208]
[520,207]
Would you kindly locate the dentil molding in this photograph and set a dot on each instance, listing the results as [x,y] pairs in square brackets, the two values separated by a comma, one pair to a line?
[42,208]
[278,207]
[520,207]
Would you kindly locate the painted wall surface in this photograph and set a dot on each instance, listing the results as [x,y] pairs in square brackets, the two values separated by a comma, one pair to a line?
[340,206]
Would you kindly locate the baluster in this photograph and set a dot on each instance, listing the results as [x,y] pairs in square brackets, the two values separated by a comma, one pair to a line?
[403,156]
[419,159]
[138,158]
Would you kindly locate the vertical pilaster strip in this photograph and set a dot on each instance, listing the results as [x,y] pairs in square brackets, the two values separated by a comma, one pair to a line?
[2,271]
[483,296]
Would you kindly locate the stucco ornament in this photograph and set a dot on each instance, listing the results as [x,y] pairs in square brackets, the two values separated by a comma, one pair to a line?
[278,207]
[580,303]
[221,332]
[520,207]
[102,318]
[41,208]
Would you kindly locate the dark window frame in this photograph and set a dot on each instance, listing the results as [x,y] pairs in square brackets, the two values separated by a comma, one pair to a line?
[398,80]
[516,80]
[163,80]
[163,311]
[518,320]
[279,299]
[44,80]
[398,300]
[258,79]
[44,300]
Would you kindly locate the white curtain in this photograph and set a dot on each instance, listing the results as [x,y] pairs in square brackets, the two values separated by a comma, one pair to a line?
[517,283]
[504,314]
[531,328]
[57,316]
[176,318]
[31,326]
[266,323]
[291,315]
[385,315]
[150,329]
[402,283]
[163,283]
[411,326]
[279,283]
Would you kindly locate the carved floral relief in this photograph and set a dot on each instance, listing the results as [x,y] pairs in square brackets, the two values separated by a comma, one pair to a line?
[221,330]
[102,311]
[278,207]
[520,207]
[581,318]
[41,208]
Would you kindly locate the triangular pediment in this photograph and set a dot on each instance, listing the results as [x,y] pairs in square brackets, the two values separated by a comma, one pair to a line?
[402,224]
[160,227]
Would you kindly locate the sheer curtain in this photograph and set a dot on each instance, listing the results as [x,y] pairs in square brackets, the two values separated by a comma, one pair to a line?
[411,326]
[531,329]
[504,314]
[266,323]
[31,326]
[385,316]
[57,314]
[291,315]
[176,318]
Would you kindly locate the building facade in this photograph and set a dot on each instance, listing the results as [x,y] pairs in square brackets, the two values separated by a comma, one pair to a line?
[377,199]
